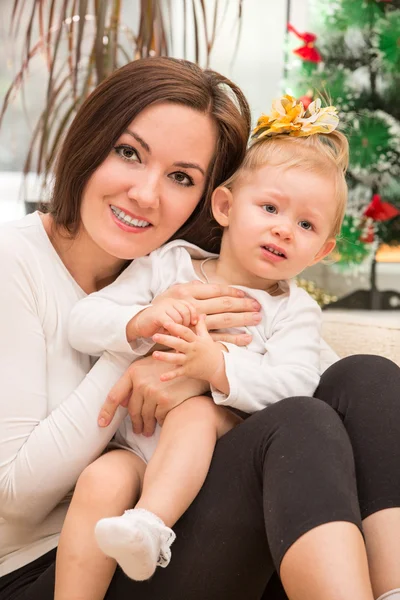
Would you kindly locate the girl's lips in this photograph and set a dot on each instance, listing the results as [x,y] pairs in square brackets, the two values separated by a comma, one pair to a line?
[270,256]
[129,228]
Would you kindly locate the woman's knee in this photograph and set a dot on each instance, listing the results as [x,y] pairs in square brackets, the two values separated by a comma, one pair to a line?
[302,418]
[361,381]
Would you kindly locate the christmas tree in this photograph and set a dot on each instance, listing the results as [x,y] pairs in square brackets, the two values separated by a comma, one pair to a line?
[353,59]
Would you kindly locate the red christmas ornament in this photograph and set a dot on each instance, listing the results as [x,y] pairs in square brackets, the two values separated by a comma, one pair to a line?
[368,234]
[306,99]
[380,211]
[308,51]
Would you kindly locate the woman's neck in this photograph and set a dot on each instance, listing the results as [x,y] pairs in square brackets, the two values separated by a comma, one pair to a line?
[88,264]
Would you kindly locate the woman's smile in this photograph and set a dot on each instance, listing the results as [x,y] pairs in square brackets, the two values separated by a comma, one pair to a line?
[129,222]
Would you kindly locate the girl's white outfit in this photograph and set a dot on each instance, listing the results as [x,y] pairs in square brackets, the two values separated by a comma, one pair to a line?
[285,358]
[51,394]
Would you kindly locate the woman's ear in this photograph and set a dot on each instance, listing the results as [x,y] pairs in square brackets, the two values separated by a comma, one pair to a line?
[221,202]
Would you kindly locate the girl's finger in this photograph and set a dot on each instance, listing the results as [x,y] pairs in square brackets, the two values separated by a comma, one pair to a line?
[172,375]
[170,341]
[201,327]
[180,331]
[175,315]
[193,314]
[176,358]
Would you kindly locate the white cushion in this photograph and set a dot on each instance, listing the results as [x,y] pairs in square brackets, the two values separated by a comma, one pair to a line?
[363,332]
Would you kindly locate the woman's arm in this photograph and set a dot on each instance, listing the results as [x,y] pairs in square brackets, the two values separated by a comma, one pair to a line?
[42,450]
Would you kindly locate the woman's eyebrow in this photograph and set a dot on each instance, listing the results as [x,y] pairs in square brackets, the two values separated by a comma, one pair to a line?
[139,139]
[145,146]
[189,165]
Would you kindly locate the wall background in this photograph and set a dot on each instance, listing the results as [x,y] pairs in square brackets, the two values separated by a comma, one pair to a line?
[258,69]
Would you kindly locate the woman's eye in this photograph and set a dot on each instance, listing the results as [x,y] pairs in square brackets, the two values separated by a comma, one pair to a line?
[306,225]
[269,208]
[182,179]
[127,153]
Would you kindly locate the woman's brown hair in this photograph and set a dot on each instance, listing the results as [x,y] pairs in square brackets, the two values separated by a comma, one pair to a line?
[113,105]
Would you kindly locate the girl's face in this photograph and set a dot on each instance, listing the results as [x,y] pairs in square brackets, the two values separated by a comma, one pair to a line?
[278,223]
[151,181]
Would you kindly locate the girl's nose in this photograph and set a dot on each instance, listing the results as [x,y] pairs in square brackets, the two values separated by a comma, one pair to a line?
[283,229]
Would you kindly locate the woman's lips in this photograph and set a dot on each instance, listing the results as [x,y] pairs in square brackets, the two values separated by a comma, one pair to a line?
[130,228]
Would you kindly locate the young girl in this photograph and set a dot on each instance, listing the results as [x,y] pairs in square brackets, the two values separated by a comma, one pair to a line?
[280,213]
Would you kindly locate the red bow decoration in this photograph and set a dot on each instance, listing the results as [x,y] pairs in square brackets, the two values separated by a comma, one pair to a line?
[308,51]
[380,211]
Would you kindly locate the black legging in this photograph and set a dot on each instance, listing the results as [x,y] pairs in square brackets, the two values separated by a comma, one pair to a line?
[284,471]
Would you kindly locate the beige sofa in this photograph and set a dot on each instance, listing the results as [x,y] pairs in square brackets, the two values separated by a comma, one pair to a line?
[363,332]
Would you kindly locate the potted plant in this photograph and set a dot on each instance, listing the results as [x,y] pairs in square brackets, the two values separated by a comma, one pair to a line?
[81,42]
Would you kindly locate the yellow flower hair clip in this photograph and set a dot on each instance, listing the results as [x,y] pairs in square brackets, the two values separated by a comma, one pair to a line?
[289,117]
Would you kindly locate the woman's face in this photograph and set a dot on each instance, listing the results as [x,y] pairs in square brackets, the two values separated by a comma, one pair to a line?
[151,181]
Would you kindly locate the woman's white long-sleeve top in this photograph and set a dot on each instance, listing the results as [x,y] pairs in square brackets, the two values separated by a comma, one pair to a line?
[50,394]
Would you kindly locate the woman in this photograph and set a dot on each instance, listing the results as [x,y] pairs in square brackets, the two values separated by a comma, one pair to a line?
[155,139]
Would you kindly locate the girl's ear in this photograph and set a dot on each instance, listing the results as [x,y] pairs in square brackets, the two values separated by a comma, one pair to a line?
[221,202]
[326,249]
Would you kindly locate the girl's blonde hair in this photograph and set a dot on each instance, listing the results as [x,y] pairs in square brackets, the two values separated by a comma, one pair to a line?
[325,154]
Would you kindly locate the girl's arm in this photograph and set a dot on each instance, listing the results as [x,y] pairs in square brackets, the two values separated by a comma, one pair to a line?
[99,321]
[289,367]
[42,450]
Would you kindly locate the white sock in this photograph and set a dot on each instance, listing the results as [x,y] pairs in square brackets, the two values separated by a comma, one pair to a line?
[392,595]
[139,541]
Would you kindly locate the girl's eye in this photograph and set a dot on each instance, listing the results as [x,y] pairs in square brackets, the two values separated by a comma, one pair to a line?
[182,179]
[269,208]
[306,225]
[127,153]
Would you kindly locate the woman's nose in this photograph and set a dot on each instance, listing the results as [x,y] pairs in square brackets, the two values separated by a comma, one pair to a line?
[145,191]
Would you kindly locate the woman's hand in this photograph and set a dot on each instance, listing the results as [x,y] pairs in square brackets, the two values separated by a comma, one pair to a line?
[224,307]
[148,399]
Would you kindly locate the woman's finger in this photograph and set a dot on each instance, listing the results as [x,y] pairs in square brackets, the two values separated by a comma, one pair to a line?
[175,358]
[148,413]
[225,304]
[135,410]
[116,397]
[240,339]
[226,320]
[202,291]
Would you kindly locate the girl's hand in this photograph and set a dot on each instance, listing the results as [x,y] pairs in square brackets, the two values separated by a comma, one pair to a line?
[196,354]
[223,305]
[148,399]
[147,322]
